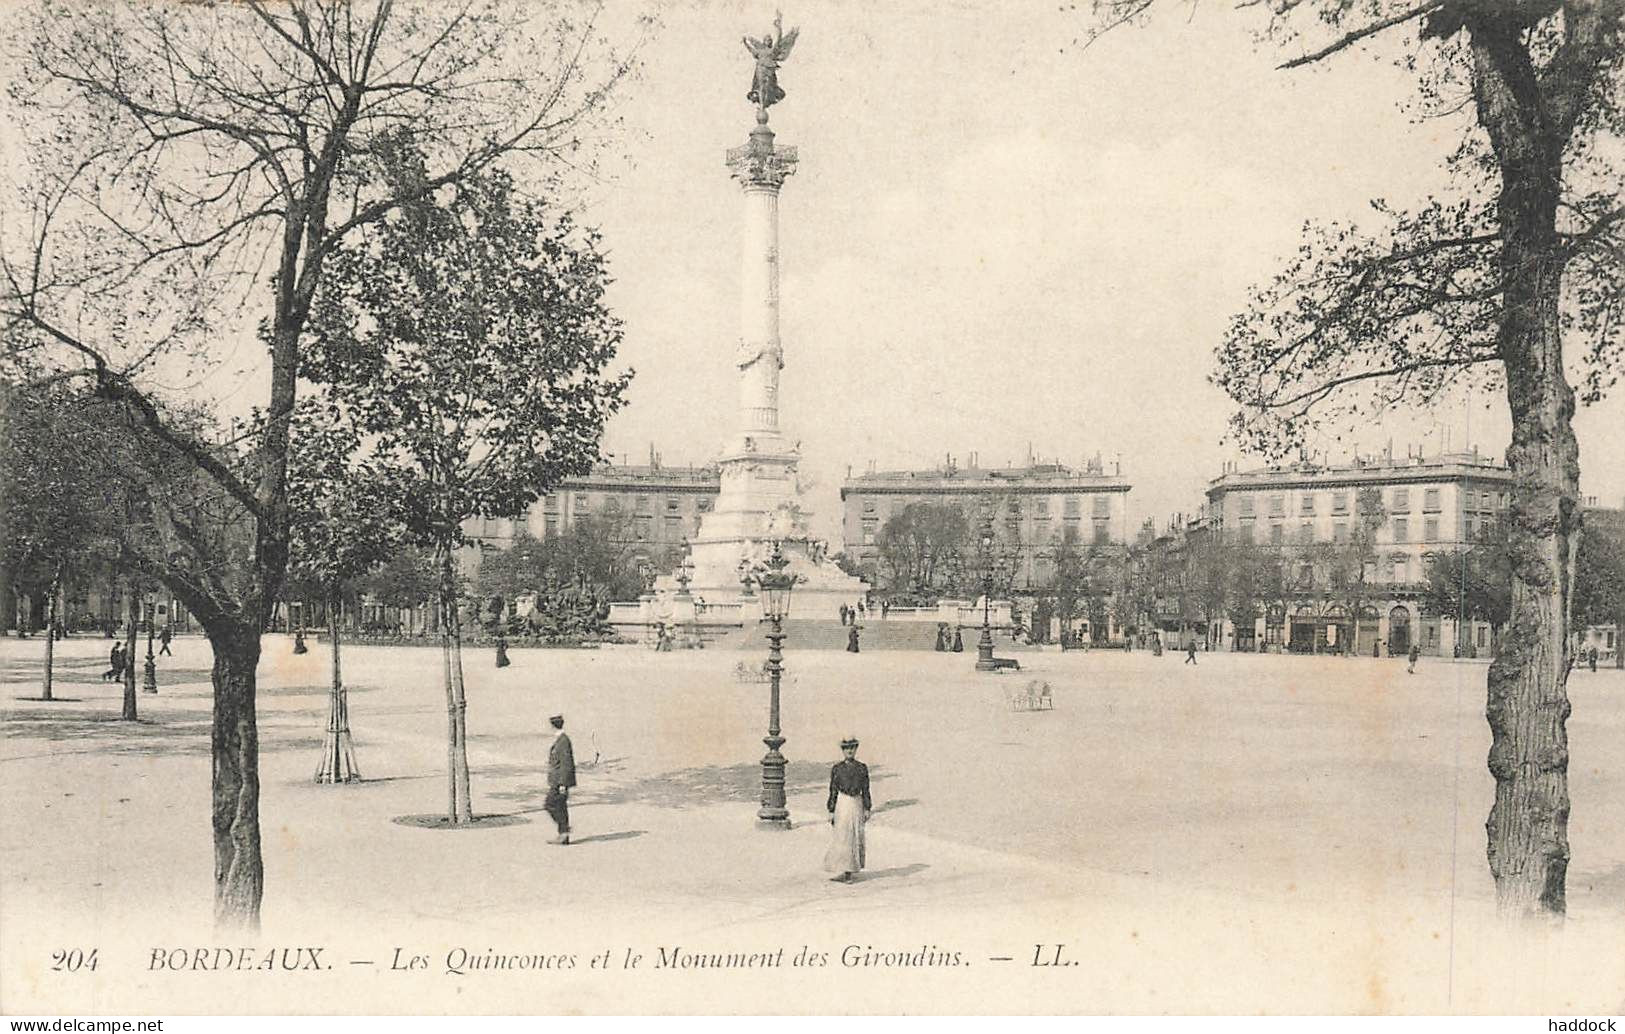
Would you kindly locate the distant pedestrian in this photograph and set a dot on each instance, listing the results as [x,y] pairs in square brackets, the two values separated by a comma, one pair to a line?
[863,609]
[163,640]
[885,609]
[502,651]
[852,639]
[942,638]
[115,663]
[959,642]
[849,810]
[1416,651]
[1190,652]
[843,615]
[1592,658]
[561,776]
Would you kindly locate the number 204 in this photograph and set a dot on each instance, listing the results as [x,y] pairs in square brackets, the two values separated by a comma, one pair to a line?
[73,960]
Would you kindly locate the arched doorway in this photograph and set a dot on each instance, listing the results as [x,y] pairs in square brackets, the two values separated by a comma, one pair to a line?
[1399,631]
[1334,634]
[1369,631]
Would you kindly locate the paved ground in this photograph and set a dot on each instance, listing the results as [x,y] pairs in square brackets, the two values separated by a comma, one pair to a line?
[1279,834]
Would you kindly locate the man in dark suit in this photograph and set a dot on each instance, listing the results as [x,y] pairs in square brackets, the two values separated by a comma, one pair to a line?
[561,775]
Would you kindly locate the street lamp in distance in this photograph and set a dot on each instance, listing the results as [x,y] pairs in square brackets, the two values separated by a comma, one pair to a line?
[984,646]
[775,584]
[149,673]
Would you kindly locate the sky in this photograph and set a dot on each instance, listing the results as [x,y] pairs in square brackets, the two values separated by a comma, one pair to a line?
[997,241]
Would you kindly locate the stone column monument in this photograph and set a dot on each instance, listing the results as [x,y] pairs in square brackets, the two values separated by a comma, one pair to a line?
[760,502]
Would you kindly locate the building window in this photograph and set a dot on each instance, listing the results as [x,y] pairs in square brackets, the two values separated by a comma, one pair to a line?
[1277,505]
[581,502]
[1102,533]
[612,504]
[642,504]
[1402,529]
[1277,536]
[705,504]
[1402,500]
[869,525]
[1072,532]
[1013,507]
[1340,531]
[1041,530]
[1043,506]
[1245,505]
[1430,529]
[1073,507]
[1306,503]
[1306,532]
[674,525]
[1103,506]
[673,504]
[552,524]
[1430,500]
[1483,634]
[550,503]
[643,528]
[1246,533]
[1340,502]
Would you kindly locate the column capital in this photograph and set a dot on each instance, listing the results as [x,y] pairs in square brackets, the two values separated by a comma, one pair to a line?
[760,163]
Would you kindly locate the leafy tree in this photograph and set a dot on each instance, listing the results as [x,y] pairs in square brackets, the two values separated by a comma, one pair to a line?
[193,161]
[54,513]
[593,551]
[1599,579]
[1349,566]
[332,502]
[1472,584]
[466,345]
[1482,284]
[922,549]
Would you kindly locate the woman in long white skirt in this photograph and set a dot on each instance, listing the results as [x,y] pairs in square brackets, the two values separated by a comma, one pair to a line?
[849,808]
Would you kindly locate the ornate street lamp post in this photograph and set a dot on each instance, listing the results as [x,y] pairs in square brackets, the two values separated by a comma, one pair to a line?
[984,646]
[775,583]
[149,673]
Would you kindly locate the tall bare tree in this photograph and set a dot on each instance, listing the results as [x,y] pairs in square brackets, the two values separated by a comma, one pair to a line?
[194,161]
[1482,285]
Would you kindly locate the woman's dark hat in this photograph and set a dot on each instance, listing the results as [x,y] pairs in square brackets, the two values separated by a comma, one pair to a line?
[850,741]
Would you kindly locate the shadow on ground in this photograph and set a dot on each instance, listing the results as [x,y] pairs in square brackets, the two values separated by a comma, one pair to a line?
[690,787]
[896,871]
[155,733]
[440,822]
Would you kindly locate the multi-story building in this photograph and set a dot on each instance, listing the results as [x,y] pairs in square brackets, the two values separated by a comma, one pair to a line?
[1428,505]
[1032,509]
[651,509]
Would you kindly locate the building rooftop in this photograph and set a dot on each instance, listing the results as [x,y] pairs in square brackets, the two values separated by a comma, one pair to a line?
[1047,476]
[645,474]
[1372,470]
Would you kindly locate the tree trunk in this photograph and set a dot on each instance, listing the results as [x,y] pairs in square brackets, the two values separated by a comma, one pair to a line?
[338,751]
[1527,706]
[53,614]
[129,643]
[128,714]
[239,874]
[461,806]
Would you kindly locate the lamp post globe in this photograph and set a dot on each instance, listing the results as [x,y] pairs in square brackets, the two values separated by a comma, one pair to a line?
[775,583]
